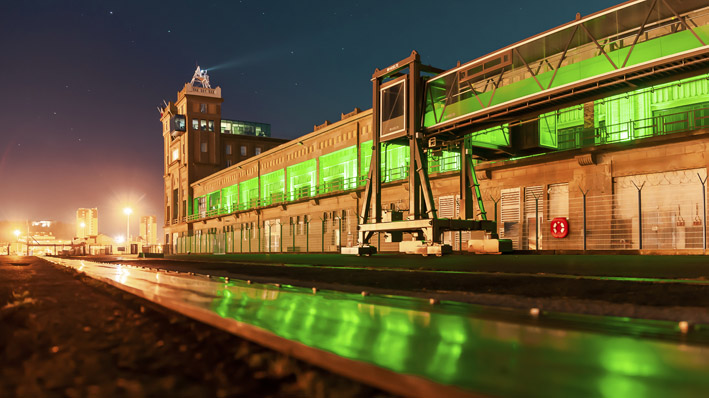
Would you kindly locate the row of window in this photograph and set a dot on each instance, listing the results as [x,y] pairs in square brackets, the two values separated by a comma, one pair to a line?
[257,150]
[201,124]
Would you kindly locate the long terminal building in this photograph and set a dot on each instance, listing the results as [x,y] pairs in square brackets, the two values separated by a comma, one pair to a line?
[589,136]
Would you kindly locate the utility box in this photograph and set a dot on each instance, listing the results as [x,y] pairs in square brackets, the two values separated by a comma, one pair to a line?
[392,215]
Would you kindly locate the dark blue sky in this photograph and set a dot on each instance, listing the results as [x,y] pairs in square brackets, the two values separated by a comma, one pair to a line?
[82,79]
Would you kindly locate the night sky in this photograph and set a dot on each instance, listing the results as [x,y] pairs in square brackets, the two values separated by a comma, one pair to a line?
[82,80]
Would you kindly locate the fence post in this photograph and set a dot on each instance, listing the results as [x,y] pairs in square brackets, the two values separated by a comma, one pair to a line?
[307,235]
[537,228]
[640,213]
[241,240]
[259,237]
[704,214]
[292,232]
[269,237]
[281,245]
[495,202]
[322,236]
[250,237]
[339,234]
[584,220]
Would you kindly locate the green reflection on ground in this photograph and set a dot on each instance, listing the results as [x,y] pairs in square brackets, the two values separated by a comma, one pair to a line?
[448,344]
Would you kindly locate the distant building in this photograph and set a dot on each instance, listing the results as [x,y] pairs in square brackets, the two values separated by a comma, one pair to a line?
[149,230]
[86,222]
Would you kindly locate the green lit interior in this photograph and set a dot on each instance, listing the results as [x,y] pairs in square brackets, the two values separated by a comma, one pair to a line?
[273,187]
[674,107]
[301,179]
[590,67]
[248,194]
[338,170]
[667,108]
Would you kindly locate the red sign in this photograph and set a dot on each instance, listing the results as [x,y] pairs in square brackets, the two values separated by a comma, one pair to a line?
[559,227]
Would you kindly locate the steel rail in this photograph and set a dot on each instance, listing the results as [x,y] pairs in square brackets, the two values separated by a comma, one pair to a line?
[385,379]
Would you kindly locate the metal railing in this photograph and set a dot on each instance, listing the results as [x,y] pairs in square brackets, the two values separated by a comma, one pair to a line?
[635,129]
[330,187]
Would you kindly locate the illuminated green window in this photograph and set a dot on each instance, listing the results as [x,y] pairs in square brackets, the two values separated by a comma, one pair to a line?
[338,170]
[200,205]
[443,161]
[214,200]
[491,137]
[230,198]
[273,186]
[365,150]
[301,179]
[395,160]
[248,194]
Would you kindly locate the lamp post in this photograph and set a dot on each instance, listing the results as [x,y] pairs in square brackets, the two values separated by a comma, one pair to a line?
[17,241]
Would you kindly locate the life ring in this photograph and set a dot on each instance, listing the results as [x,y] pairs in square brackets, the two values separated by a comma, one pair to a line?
[559,227]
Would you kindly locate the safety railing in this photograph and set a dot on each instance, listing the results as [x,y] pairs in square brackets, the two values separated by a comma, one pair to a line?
[442,164]
[635,129]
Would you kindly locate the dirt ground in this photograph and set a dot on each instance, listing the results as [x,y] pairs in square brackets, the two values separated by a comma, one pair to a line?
[63,334]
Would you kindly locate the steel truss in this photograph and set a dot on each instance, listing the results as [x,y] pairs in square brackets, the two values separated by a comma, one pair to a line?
[423,222]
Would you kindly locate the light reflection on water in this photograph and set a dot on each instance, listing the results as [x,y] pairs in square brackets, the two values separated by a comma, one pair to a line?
[446,343]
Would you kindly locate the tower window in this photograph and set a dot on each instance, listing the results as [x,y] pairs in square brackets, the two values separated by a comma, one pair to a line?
[195,124]
[211,125]
[243,150]
[203,108]
[257,150]
[203,125]
[204,147]
[228,149]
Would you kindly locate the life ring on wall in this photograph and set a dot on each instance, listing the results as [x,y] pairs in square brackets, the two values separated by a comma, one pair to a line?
[559,227]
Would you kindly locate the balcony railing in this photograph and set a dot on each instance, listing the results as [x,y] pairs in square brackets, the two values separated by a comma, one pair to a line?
[679,122]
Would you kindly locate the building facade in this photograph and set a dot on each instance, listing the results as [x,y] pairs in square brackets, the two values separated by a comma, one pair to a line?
[582,146]
[198,143]
[86,222]
[149,230]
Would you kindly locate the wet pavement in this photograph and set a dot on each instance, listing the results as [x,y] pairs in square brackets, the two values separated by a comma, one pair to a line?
[478,349]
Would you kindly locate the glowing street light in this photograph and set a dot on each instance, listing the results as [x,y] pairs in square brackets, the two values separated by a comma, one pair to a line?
[83,231]
[119,239]
[127,211]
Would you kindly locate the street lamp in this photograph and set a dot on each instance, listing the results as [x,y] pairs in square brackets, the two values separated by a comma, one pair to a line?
[127,211]
[83,231]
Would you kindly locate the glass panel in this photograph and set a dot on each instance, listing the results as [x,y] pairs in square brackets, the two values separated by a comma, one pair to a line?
[338,170]
[393,110]
[273,187]
[301,179]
